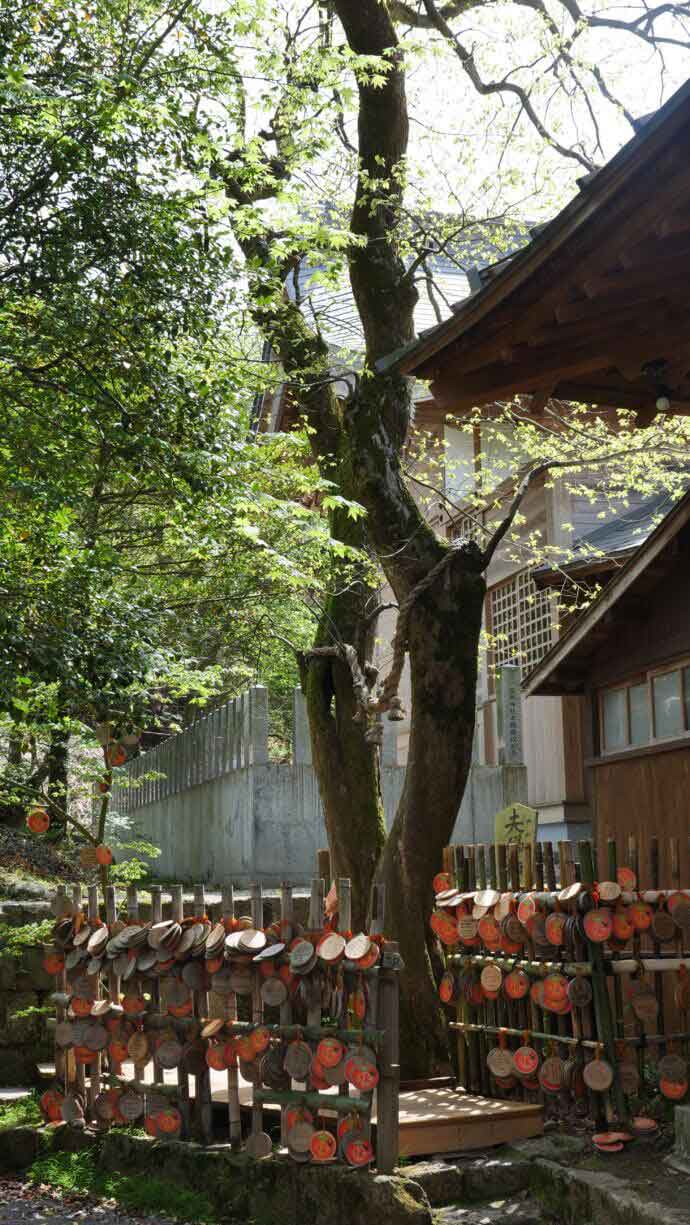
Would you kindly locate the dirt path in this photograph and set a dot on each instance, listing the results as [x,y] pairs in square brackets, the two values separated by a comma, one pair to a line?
[21,1203]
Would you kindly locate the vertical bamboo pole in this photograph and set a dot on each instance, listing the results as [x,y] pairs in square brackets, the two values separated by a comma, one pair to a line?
[315,922]
[113,978]
[286,915]
[323,867]
[79,1073]
[549,867]
[658,978]
[602,1007]
[539,866]
[133,914]
[474,1053]
[634,863]
[461,1009]
[612,868]
[491,866]
[481,866]
[61,1053]
[230,1007]
[182,1078]
[95,1067]
[257,1003]
[388,1089]
[156,917]
[202,1083]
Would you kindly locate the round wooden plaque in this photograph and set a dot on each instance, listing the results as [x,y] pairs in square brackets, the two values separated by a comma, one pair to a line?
[357,947]
[332,948]
[491,978]
[298,1060]
[274,992]
[672,1067]
[628,1078]
[598,1075]
[525,1060]
[500,1062]
[551,1074]
[516,985]
[299,1136]
[580,991]
[259,1144]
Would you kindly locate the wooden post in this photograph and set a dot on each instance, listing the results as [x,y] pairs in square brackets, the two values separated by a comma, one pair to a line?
[202,1083]
[378,918]
[388,1089]
[323,867]
[462,1043]
[95,1067]
[539,866]
[549,867]
[491,866]
[481,866]
[658,978]
[257,1004]
[634,863]
[79,1074]
[602,1005]
[612,868]
[61,1054]
[156,917]
[234,1112]
[286,915]
[182,1078]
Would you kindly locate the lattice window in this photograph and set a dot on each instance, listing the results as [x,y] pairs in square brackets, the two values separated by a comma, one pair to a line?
[468,528]
[521,622]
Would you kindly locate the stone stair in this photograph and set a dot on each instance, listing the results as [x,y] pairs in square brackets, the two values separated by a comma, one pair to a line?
[482,1189]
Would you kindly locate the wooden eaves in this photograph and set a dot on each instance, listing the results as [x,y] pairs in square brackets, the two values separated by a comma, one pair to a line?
[597,307]
[565,667]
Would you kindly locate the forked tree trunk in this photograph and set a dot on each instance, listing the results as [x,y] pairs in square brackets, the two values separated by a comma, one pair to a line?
[443,641]
[346,766]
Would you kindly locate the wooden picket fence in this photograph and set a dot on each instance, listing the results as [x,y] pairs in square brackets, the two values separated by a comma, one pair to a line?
[567,987]
[142,1007]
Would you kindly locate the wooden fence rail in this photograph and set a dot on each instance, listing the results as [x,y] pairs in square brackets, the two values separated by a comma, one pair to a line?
[302,1020]
[567,977]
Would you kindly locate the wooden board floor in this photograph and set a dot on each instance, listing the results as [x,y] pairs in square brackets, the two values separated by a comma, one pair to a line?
[435,1119]
[448,1121]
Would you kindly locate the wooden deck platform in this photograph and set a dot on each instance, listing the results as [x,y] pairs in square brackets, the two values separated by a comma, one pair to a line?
[446,1120]
[434,1117]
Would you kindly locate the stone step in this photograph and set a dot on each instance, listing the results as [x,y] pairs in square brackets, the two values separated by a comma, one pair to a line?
[470,1179]
[518,1211]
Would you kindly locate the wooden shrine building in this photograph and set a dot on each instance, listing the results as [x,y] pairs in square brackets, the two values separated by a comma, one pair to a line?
[595,308]
[628,656]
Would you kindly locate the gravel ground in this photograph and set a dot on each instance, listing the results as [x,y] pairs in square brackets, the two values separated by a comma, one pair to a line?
[20,1203]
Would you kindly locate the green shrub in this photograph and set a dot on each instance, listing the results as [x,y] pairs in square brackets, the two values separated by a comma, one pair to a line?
[138,1192]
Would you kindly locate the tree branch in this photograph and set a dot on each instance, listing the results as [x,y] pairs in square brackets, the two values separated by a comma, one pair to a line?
[505,86]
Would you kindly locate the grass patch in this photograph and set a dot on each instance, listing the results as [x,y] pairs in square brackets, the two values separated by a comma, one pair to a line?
[141,1192]
[23,1113]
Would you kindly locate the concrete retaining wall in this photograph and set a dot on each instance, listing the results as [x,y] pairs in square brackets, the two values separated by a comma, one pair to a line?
[221,815]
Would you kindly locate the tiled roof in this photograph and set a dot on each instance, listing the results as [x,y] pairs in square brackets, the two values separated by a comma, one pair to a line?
[332,307]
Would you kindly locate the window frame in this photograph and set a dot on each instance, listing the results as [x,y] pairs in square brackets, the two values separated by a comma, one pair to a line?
[647,678]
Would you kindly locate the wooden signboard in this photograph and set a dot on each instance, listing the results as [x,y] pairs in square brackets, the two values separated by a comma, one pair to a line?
[516,823]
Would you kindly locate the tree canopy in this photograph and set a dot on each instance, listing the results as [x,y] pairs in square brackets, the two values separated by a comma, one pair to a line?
[185,182]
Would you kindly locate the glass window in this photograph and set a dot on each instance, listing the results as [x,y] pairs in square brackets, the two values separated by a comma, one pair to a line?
[640,722]
[668,707]
[615,719]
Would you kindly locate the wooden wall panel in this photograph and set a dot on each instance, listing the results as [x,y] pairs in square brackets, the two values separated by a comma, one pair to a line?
[645,795]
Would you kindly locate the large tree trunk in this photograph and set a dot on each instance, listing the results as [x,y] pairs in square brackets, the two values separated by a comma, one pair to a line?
[443,638]
[359,446]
